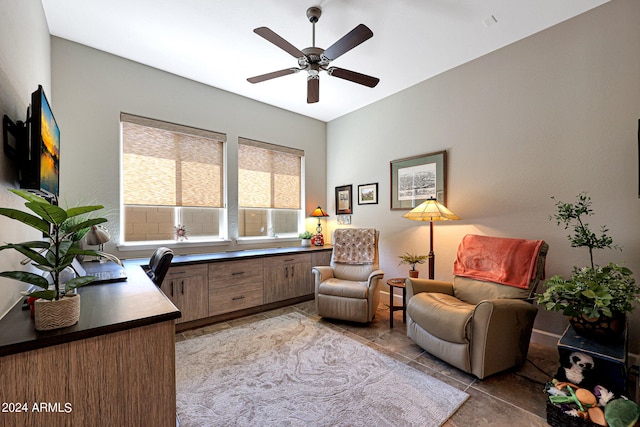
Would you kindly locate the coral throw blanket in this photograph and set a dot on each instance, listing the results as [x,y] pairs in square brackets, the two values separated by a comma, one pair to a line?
[354,245]
[496,259]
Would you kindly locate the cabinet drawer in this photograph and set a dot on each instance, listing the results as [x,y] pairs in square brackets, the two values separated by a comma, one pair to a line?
[180,271]
[234,298]
[287,259]
[233,273]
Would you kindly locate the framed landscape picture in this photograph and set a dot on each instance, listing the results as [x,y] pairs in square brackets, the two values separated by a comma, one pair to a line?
[344,200]
[416,179]
[368,194]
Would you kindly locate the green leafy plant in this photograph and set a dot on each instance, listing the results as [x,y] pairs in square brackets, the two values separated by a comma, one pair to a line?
[591,291]
[412,259]
[63,229]
[306,235]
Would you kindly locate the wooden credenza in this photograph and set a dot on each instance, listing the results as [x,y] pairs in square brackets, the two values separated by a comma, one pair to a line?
[210,288]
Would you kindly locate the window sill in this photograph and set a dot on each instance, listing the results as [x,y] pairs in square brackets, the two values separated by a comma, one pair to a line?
[170,244]
[265,239]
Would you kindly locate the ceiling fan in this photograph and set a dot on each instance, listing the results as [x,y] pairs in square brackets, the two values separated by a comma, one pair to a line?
[314,59]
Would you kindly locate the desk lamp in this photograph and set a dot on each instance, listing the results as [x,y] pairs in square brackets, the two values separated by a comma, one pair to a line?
[318,239]
[431,210]
[97,236]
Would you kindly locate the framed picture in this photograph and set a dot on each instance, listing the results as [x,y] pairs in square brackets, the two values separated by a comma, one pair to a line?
[344,219]
[343,200]
[416,179]
[368,194]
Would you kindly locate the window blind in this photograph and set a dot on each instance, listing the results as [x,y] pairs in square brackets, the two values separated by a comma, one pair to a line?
[165,164]
[269,175]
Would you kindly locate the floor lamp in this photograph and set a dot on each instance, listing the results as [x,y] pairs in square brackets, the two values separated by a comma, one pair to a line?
[431,210]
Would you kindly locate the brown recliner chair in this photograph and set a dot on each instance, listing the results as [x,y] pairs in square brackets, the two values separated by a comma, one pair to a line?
[348,288]
[479,323]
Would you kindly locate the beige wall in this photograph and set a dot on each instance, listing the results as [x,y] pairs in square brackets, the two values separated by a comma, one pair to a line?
[24,64]
[552,115]
[93,87]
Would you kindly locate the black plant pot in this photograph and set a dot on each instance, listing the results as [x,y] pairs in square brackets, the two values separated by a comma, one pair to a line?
[602,329]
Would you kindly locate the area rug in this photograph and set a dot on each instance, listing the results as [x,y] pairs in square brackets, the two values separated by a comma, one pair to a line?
[291,370]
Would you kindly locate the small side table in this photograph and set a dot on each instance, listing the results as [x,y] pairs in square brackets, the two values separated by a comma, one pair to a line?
[397,282]
[610,359]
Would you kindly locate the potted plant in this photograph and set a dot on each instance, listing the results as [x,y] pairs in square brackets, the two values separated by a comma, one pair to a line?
[595,298]
[306,238]
[55,306]
[412,260]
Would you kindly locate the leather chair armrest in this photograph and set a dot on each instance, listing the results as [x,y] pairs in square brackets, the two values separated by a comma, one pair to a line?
[322,273]
[375,275]
[506,327]
[415,286]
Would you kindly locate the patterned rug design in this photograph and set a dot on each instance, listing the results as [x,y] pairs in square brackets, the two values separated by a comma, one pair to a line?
[291,370]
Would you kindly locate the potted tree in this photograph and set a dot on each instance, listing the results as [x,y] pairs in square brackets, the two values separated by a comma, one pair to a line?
[412,260]
[306,238]
[55,306]
[595,298]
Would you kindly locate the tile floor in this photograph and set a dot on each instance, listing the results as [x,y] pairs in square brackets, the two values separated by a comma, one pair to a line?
[508,399]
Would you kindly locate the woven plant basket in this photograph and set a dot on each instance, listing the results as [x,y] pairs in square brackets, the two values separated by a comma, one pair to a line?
[57,314]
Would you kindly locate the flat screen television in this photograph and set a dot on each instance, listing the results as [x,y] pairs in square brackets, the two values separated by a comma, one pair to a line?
[40,164]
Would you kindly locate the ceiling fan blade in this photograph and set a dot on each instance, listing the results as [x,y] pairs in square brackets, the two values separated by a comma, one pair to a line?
[269,35]
[352,39]
[272,75]
[352,76]
[313,90]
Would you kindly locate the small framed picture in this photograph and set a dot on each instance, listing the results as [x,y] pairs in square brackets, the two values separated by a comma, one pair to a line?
[368,194]
[344,200]
[344,219]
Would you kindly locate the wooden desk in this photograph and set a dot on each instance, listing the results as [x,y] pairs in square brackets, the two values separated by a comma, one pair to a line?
[115,367]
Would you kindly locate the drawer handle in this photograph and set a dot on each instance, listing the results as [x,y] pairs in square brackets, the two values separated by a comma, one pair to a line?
[178,272]
[237,273]
[290,259]
[237,298]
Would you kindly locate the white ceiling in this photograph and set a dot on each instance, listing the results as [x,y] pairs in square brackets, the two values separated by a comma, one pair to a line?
[212,41]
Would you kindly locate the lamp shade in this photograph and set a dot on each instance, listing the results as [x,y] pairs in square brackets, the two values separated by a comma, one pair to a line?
[318,212]
[430,210]
[97,236]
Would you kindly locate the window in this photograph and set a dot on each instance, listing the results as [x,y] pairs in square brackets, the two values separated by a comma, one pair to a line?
[269,189]
[171,175]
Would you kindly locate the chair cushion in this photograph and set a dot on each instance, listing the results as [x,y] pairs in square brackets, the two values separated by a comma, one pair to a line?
[353,271]
[473,291]
[343,288]
[443,316]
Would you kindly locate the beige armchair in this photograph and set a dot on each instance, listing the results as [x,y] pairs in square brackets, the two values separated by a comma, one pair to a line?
[476,324]
[348,288]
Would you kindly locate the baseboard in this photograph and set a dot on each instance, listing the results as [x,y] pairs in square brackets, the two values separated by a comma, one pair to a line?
[384,298]
[545,338]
